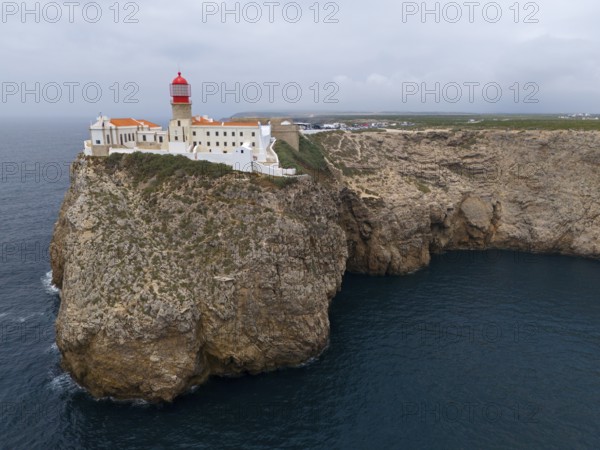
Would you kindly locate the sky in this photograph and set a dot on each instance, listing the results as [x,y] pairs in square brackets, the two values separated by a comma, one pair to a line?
[77,59]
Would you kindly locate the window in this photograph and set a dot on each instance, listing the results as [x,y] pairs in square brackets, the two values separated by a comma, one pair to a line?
[195,143]
[208,143]
[217,144]
[224,144]
[97,142]
[242,151]
[121,138]
[241,133]
[160,139]
[194,133]
[144,137]
[216,133]
[176,138]
[254,144]
[224,133]
[108,139]
[241,143]
[233,133]
[179,123]
[253,134]
[208,134]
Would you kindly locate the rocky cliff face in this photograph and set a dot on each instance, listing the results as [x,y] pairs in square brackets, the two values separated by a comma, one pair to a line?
[409,194]
[167,280]
[163,286]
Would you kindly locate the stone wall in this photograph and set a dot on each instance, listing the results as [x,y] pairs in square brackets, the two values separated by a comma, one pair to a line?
[287,133]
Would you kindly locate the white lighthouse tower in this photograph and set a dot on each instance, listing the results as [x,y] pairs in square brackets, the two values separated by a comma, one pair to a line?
[181,122]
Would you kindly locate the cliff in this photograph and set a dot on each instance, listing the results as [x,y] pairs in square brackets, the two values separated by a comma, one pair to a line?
[168,278]
[406,195]
[174,271]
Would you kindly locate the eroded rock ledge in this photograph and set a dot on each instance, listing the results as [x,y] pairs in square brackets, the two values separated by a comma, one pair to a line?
[406,195]
[169,280]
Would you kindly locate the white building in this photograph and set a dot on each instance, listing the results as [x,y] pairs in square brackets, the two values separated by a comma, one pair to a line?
[125,133]
[245,146]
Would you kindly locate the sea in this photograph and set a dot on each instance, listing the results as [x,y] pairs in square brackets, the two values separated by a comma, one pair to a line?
[481,350]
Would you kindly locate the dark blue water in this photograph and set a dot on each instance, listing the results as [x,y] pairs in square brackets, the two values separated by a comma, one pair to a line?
[481,350]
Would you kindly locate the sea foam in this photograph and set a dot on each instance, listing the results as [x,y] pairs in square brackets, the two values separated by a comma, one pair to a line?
[48,286]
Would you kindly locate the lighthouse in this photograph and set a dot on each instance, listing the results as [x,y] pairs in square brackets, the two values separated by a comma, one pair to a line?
[181,104]
[181,91]
[244,145]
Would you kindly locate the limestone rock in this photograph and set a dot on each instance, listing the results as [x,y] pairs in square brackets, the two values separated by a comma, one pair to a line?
[447,190]
[202,277]
[164,287]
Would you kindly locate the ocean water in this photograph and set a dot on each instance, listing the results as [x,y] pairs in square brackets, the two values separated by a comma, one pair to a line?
[480,350]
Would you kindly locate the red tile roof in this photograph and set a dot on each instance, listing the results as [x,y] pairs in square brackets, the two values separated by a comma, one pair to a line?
[215,123]
[132,123]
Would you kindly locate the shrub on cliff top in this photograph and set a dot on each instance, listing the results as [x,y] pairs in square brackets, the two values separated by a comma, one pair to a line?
[144,167]
[308,160]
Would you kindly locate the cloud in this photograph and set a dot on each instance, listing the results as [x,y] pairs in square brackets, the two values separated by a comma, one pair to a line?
[371,50]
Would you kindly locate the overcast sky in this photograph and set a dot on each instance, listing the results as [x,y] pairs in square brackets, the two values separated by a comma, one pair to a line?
[365,56]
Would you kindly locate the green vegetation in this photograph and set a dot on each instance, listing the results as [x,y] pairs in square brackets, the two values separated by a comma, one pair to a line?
[286,155]
[308,160]
[156,169]
[480,121]
[347,171]
[469,142]
[422,186]
[369,130]
[267,181]
[283,182]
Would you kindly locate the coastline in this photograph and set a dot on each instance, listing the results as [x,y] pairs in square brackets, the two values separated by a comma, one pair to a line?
[412,196]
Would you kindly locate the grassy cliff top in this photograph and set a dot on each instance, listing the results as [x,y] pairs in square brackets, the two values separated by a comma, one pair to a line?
[152,171]
[480,121]
[308,160]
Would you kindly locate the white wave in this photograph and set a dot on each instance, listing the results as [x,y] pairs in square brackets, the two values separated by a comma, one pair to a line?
[53,349]
[136,403]
[64,383]
[48,286]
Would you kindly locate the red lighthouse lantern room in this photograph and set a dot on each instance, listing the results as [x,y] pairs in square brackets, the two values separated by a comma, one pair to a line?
[181,91]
